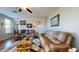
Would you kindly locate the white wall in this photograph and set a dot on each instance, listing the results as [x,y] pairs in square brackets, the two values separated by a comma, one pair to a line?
[69,22]
[35,22]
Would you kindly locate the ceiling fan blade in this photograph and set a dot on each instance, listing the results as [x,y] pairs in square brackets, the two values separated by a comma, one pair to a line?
[20,10]
[28,10]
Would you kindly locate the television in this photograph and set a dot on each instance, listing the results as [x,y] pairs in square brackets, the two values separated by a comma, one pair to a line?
[23,31]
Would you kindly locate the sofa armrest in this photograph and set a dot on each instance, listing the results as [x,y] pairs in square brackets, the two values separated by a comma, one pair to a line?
[69,39]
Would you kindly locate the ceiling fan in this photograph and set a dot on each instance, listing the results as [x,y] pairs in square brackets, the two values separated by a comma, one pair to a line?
[23,9]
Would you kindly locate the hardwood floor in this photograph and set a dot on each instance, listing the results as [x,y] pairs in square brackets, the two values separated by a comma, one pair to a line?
[7,43]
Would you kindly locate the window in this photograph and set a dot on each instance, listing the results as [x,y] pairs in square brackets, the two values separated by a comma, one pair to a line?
[7,25]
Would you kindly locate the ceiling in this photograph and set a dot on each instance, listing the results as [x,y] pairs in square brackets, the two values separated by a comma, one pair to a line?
[37,12]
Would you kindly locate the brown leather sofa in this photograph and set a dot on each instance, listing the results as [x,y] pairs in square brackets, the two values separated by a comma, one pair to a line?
[61,41]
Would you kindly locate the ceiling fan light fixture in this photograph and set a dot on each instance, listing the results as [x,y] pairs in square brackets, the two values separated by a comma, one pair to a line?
[29,10]
[24,9]
[20,10]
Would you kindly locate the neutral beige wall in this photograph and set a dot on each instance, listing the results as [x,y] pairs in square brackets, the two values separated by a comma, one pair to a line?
[69,22]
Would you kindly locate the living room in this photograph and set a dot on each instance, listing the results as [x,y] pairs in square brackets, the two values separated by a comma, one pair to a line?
[36,22]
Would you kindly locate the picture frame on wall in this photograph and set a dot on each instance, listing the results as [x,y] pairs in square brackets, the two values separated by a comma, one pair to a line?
[23,22]
[29,25]
[55,21]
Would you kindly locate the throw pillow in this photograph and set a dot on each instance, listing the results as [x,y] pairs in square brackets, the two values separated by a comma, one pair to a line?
[55,41]
[62,37]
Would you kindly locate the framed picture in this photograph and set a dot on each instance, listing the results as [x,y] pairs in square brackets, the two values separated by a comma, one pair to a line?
[55,21]
[29,25]
[22,22]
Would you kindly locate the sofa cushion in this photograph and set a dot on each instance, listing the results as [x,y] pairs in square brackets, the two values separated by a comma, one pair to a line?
[55,41]
[62,45]
[55,34]
[62,37]
[49,33]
